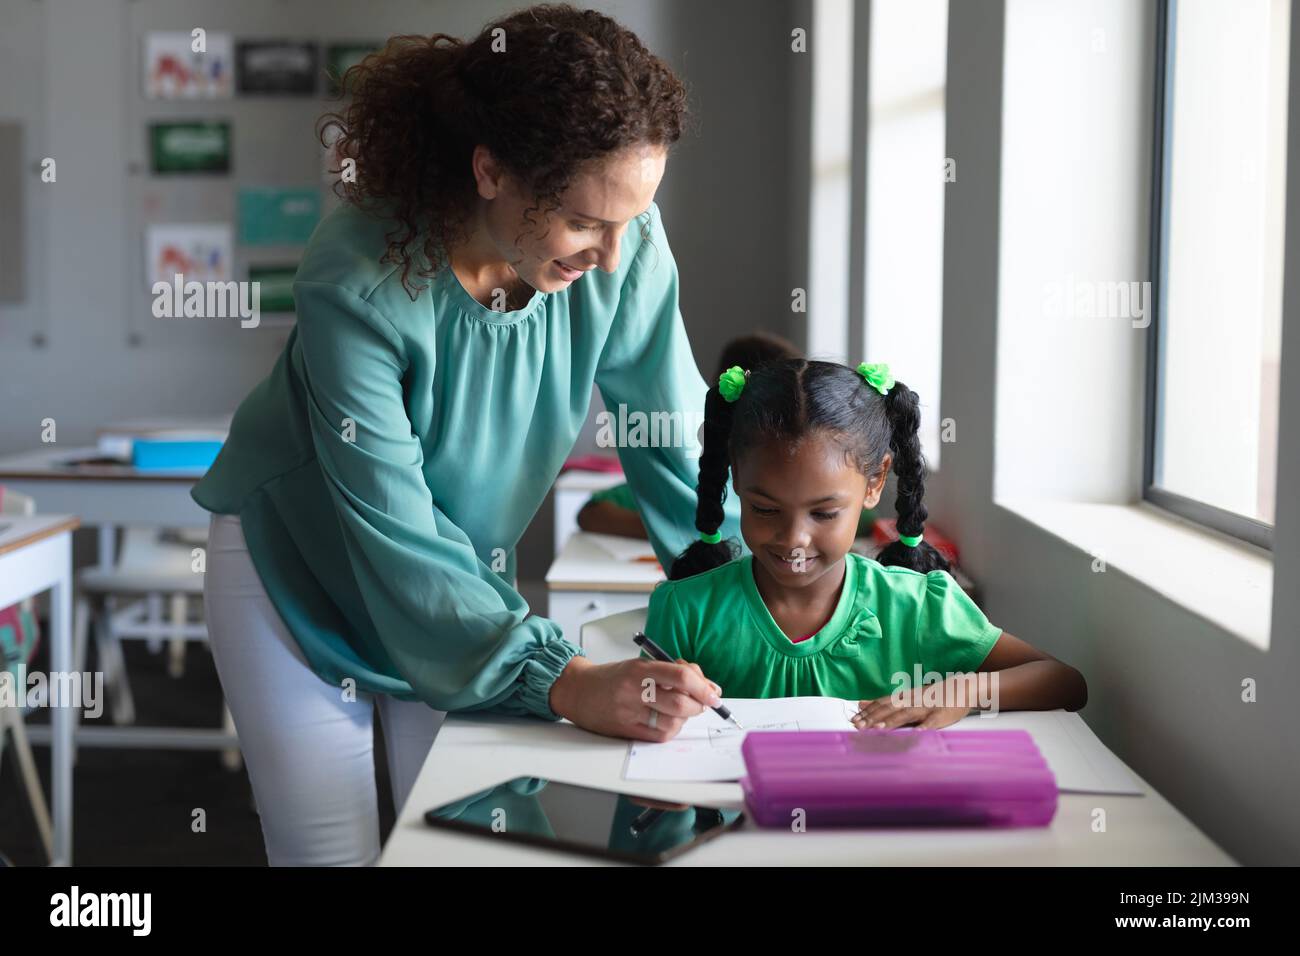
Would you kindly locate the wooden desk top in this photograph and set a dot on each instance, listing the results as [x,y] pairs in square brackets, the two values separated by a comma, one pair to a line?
[18,531]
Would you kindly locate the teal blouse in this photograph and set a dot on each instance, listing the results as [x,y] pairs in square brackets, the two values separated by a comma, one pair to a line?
[386,468]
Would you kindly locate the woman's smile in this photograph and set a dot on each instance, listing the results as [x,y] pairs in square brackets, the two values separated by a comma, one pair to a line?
[568,273]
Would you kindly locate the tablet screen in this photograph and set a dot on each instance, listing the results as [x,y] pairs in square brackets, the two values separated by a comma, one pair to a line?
[580,819]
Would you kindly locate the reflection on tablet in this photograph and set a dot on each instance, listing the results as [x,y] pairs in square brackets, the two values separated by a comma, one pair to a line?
[580,819]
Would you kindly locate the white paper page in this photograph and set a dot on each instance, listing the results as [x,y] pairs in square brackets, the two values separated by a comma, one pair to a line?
[621,548]
[1081,762]
[708,747]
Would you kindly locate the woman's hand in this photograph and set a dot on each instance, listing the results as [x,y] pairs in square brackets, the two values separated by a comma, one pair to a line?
[637,698]
[922,706]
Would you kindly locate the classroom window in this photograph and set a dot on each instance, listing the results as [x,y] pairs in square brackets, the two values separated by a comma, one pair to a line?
[907,173]
[828,245]
[1218,236]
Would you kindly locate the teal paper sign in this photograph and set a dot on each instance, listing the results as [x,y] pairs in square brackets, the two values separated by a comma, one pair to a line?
[277,217]
[340,57]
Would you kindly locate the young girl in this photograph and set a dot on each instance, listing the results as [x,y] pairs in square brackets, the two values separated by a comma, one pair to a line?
[808,446]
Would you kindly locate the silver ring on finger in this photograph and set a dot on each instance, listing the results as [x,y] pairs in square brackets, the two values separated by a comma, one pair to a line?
[653,720]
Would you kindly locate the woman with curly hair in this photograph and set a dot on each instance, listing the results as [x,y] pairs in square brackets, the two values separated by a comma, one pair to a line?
[453,315]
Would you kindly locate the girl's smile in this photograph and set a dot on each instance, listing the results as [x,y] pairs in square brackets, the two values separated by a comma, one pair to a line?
[792,563]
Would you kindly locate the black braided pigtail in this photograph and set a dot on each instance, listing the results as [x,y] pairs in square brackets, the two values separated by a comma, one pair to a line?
[711,492]
[903,407]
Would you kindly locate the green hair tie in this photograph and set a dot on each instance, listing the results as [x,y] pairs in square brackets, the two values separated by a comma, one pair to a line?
[911,540]
[877,376]
[711,538]
[732,382]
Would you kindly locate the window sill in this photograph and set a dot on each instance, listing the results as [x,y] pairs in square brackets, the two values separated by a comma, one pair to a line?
[1169,556]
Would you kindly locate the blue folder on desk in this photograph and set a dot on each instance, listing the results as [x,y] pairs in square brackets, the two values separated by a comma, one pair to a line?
[168,453]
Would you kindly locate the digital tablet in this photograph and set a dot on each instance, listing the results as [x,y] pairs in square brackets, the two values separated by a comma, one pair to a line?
[587,820]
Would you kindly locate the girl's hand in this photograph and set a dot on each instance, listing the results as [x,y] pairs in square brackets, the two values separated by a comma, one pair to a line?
[919,707]
[637,698]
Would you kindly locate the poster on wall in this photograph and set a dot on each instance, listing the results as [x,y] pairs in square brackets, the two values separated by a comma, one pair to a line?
[189,147]
[275,67]
[14,238]
[200,252]
[341,57]
[183,66]
[276,286]
[271,216]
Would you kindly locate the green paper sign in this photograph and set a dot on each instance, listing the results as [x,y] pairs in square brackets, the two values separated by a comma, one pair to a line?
[277,217]
[276,289]
[189,147]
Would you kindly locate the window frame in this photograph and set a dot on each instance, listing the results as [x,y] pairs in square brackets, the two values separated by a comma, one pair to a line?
[1250,530]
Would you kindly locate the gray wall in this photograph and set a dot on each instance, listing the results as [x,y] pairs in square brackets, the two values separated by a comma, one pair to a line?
[1164,685]
[71,72]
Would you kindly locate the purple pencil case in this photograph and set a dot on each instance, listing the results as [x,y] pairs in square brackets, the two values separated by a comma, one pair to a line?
[994,778]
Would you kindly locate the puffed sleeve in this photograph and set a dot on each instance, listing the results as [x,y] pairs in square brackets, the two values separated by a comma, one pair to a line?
[457,632]
[952,632]
[647,367]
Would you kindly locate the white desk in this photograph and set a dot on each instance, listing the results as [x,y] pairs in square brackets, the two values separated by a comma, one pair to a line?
[475,752]
[105,496]
[597,575]
[572,489]
[108,497]
[36,556]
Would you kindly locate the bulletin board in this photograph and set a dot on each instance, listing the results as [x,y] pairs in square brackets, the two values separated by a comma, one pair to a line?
[275,160]
[24,199]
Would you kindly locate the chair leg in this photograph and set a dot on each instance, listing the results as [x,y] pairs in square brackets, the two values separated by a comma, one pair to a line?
[176,646]
[13,722]
[231,758]
[154,603]
[80,632]
[81,617]
[114,663]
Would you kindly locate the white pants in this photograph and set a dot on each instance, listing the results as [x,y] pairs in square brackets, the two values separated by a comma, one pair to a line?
[309,752]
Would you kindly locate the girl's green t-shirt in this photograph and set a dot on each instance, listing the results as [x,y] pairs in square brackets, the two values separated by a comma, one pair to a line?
[889,625]
[620,494]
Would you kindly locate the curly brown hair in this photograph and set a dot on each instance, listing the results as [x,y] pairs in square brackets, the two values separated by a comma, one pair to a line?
[546,90]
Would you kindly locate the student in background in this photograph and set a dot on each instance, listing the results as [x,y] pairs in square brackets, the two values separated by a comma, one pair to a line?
[614,510]
[807,445]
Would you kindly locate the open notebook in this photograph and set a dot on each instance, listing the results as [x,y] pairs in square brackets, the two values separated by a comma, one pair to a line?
[708,747]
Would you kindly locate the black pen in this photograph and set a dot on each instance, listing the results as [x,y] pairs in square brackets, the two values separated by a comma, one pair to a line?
[659,654]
